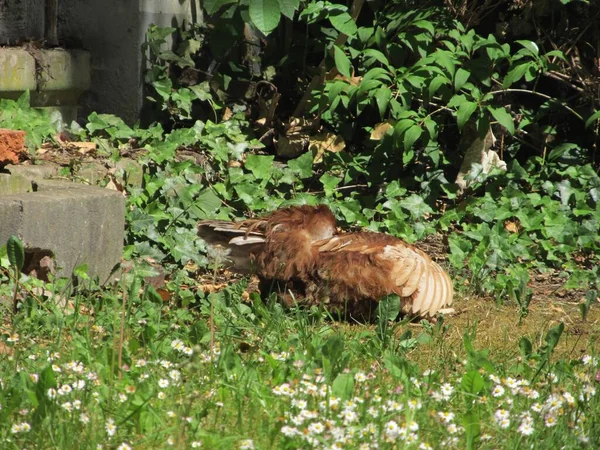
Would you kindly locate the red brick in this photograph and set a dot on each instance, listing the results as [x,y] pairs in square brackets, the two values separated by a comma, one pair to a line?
[12,143]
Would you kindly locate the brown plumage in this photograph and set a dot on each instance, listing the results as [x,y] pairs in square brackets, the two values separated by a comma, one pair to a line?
[298,249]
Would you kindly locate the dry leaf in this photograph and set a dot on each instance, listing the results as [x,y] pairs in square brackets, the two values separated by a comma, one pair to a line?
[227,114]
[5,349]
[325,142]
[511,227]
[82,147]
[380,130]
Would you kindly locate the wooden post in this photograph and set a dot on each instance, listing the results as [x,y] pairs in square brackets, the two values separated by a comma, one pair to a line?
[50,23]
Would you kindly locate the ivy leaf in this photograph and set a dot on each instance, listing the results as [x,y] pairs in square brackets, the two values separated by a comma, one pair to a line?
[342,63]
[465,111]
[208,202]
[302,166]
[503,118]
[329,183]
[259,165]
[265,14]
[343,23]
[415,205]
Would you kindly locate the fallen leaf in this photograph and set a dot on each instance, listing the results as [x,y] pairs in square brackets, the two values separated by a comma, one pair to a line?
[325,142]
[511,227]
[380,130]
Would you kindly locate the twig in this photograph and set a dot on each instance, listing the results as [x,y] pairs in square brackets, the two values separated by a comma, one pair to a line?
[539,94]
[560,77]
[343,188]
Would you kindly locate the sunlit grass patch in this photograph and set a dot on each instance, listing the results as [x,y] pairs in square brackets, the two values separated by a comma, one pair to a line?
[278,378]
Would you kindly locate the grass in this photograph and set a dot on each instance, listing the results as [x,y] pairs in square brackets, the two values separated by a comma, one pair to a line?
[129,370]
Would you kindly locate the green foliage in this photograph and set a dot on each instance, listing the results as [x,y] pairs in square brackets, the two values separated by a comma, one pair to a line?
[15,252]
[39,125]
[141,371]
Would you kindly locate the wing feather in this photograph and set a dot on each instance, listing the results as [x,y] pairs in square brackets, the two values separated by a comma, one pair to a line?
[424,295]
[414,280]
[245,240]
[403,269]
[440,284]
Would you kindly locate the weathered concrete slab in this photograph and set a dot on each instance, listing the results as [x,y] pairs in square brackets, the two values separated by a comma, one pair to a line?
[79,224]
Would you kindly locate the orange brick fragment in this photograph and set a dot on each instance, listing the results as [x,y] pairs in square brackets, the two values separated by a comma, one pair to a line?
[12,143]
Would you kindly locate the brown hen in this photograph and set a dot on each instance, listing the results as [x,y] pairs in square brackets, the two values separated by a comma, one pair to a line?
[298,252]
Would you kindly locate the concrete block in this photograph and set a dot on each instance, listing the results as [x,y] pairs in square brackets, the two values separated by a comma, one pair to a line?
[64,70]
[78,224]
[14,184]
[17,70]
[33,172]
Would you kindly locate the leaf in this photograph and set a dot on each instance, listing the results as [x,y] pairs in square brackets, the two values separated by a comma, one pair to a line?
[302,165]
[288,7]
[472,382]
[380,130]
[329,183]
[472,425]
[333,348]
[415,205]
[465,111]
[531,46]
[382,98]
[460,78]
[265,14]
[344,23]
[260,165]
[562,150]
[388,308]
[343,385]
[436,83]
[411,135]
[515,74]
[525,347]
[592,119]
[208,202]
[503,118]
[81,271]
[552,337]
[376,55]
[15,252]
[425,25]
[342,63]
[212,6]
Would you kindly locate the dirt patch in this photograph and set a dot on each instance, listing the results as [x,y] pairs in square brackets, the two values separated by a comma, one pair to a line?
[499,329]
